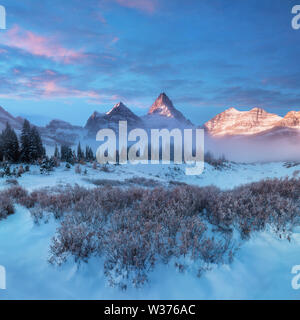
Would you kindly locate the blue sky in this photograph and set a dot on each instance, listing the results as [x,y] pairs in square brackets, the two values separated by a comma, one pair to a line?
[65,59]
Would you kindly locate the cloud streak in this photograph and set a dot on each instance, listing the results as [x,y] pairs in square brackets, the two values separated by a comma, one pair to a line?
[39,45]
[147,6]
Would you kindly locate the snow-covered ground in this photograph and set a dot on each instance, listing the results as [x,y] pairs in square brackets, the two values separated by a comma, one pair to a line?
[261,268]
[234,175]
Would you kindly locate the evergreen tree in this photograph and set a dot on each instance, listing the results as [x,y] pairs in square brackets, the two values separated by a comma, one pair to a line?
[32,147]
[47,165]
[25,142]
[67,154]
[89,155]
[36,148]
[63,152]
[1,147]
[80,154]
[56,152]
[10,144]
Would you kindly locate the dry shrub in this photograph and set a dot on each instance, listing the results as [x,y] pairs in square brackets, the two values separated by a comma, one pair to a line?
[133,229]
[143,182]
[12,182]
[105,182]
[21,170]
[6,206]
[149,183]
[78,169]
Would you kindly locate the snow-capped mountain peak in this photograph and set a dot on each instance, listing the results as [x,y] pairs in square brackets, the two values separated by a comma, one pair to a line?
[111,118]
[234,122]
[163,108]
[121,110]
[291,119]
[232,110]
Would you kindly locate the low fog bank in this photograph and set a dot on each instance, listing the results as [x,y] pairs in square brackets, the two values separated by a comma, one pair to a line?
[244,149]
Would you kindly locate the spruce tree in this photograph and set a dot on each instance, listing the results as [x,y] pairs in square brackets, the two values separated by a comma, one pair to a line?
[37,150]
[32,147]
[80,154]
[89,155]
[56,152]
[67,154]
[10,144]
[1,147]
[25,142]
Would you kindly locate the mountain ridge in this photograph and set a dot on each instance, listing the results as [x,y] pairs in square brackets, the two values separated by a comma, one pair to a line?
[234,122]
[255,122]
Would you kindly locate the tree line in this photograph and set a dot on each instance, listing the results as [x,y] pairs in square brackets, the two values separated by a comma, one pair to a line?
[30,149]
[66,154]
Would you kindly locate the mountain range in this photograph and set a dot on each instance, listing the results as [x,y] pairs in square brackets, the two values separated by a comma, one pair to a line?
[253,124]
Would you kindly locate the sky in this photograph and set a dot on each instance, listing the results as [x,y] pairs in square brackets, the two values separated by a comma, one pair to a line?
[66,59]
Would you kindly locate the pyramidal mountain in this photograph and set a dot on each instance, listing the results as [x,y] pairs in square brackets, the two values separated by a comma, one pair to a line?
[121,112]
[111,119]
[164,107]
[163,114]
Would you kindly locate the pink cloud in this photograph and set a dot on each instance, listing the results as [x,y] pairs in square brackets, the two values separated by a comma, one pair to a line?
[114,40]
[101,18]
[148,6]
[51,89]
[39,45]
[43,88]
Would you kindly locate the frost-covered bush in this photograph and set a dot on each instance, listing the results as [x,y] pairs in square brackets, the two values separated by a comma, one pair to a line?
[144,182]
[273,202]
[76,237]
[12,182]
[6,206]
[133,229]
[78,169]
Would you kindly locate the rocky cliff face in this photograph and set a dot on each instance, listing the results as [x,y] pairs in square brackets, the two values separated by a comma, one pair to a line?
[233,122]
[15,122]
[56,124]
[291,120]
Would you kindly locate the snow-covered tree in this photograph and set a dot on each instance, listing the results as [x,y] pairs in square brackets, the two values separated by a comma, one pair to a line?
[67,154]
